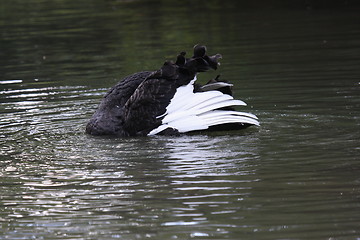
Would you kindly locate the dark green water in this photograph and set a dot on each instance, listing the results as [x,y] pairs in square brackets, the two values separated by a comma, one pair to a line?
[295,177]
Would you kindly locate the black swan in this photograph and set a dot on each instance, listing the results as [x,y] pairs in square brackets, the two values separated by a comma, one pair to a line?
[168,102]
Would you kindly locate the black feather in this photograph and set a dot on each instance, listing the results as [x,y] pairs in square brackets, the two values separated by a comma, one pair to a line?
[132,106]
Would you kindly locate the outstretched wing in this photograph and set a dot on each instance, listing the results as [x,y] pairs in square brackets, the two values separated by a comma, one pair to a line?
[189,111]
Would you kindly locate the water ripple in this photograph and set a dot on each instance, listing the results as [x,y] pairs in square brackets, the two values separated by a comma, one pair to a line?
[295,177]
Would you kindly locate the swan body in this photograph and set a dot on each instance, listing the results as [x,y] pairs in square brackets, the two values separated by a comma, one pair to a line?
[169,102]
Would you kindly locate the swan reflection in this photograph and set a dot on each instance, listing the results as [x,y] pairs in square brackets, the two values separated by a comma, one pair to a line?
[204,154]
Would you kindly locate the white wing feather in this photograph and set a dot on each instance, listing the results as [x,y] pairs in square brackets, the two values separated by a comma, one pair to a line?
[189,111]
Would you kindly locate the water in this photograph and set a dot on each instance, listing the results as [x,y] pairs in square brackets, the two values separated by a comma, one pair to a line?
[295,177]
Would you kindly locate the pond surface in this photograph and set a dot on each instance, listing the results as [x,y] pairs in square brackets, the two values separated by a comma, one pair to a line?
[297,176]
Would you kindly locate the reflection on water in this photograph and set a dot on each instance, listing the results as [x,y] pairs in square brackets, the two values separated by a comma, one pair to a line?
[170,182]
[295,177]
